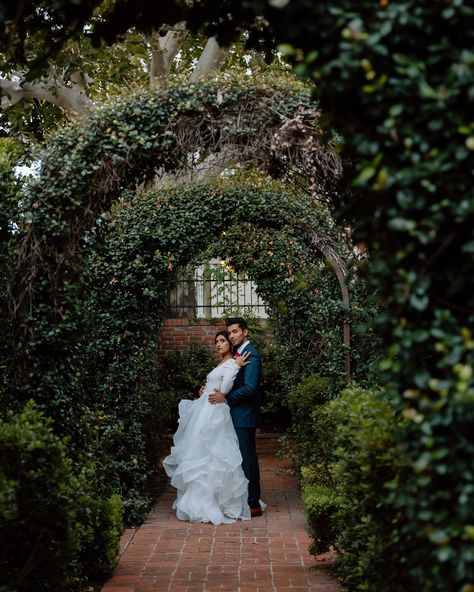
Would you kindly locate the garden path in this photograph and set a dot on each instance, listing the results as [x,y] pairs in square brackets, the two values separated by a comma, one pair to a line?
[267,554]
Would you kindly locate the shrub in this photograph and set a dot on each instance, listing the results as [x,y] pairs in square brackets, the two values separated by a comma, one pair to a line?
[103,519]
[39,529]
[373,553]
[55,534]
[312,450]
[322,504]
[363,499]
[312,430]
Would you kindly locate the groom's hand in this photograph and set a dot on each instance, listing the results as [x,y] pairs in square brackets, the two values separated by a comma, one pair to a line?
[216,397]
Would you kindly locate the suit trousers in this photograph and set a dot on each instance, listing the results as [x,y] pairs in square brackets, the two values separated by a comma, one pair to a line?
[247,445]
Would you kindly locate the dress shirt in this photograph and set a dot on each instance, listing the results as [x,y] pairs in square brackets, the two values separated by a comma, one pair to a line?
[242,347]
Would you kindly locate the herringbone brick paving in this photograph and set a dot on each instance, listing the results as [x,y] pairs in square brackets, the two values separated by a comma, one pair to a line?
[267,554]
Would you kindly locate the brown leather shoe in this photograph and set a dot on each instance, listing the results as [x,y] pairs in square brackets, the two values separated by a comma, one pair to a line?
[255,512]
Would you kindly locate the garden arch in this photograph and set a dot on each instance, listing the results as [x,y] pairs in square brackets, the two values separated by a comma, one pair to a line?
[271,126]
[258,226]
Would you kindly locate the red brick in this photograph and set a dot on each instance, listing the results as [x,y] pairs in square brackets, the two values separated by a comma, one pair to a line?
[267,554]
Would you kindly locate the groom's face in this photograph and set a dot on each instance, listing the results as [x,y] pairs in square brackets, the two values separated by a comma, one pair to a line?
[237,335]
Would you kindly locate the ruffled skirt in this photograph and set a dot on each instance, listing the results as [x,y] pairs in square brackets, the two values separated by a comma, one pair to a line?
[205,465]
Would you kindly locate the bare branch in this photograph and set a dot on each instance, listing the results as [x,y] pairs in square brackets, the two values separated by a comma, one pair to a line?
[71,98]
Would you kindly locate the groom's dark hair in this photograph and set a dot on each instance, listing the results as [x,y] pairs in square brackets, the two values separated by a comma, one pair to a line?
[236,321]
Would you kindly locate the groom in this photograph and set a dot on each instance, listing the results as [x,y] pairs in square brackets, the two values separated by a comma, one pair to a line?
[244,403]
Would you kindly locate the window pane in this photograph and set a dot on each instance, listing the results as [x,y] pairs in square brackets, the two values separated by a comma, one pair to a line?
[211,290]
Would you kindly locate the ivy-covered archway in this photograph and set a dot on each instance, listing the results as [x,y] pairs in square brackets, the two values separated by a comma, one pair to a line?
[111,159]
[259,228]
[269,125]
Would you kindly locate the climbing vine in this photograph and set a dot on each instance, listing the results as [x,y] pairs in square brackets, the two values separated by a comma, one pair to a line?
[257,227]
[83,344]
[127,144]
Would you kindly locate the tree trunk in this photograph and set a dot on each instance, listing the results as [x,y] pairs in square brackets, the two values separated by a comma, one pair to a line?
[211,59]
[163,52]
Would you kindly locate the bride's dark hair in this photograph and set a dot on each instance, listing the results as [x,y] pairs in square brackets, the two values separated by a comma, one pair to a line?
[225,335]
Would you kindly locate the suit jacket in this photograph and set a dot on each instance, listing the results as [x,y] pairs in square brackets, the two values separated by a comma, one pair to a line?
[244,397]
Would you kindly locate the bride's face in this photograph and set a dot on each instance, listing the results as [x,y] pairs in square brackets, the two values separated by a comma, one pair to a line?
[222,345]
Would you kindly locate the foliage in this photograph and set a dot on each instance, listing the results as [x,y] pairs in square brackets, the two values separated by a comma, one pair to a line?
[311,436]
[403,71]
[36,474]
[275,416]
[344,486]
[56,22]
[181,375]
[361,500]
[310,445]
[100,73]
[103,520]
[369,538]
[48,517]
[321,505]
[185,371]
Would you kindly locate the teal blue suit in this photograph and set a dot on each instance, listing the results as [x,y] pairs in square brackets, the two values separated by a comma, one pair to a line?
[244,403]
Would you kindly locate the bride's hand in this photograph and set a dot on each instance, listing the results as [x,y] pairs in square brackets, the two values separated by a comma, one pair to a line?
[242,360]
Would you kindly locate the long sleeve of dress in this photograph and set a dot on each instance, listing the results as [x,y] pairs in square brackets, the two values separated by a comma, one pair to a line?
[230,369]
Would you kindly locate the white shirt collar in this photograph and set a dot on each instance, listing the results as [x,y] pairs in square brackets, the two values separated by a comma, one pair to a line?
[242,347]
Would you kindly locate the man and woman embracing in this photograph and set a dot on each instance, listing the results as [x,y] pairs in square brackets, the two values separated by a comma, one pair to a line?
[213,463]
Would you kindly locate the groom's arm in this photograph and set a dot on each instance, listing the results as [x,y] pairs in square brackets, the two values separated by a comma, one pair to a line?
[251,382]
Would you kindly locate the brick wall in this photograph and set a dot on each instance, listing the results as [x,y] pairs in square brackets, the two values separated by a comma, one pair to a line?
[180,333]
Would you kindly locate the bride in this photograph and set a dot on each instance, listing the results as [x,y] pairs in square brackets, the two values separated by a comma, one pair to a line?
[205,461]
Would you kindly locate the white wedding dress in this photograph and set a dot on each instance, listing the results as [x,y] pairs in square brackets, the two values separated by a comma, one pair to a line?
[205,461]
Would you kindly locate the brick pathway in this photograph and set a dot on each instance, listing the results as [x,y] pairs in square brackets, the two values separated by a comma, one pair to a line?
[267,554]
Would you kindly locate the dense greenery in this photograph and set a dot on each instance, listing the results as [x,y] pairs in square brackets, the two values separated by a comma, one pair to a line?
[395,79]
[56,535]
[348,445]
[89,290]
[133,253]
[353,467]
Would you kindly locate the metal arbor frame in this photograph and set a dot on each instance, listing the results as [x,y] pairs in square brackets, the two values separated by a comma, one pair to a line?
[341,272]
